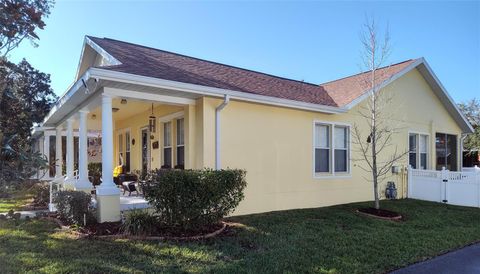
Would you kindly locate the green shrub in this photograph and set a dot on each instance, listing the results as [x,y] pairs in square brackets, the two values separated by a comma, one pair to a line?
[193,199]
[40,193]
[140,222]
[75,207]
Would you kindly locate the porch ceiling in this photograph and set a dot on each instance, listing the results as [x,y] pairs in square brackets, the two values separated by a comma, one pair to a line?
[131,108]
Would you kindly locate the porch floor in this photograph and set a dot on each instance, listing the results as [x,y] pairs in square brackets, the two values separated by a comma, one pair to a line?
[132,202]
[129,202]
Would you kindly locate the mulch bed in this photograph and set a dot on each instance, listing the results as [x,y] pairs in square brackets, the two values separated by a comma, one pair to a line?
[380,213]
[112,230]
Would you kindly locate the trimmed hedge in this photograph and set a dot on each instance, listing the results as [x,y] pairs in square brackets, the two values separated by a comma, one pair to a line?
[75,207]
[192,199]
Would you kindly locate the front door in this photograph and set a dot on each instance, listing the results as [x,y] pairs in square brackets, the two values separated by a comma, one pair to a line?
[145,150]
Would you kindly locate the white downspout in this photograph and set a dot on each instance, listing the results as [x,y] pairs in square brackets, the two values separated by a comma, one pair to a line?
[217,130]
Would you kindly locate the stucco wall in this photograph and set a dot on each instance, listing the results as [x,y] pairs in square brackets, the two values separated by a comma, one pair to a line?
[275,146]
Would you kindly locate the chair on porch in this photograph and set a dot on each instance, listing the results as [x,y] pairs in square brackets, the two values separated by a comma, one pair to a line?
[127,181]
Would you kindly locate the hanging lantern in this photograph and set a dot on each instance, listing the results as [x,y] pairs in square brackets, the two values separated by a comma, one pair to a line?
[151,122]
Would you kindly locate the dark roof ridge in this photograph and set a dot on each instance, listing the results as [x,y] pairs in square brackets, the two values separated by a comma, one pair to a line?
[360,73]
[204,60]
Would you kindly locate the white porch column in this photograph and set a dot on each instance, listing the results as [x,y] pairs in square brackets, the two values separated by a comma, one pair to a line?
[46,153]
[108,195]
[58,152]
[69,181]
[83,183]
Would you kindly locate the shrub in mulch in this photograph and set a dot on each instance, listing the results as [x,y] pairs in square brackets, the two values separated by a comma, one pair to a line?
[41,196]
[380,213]
[75,207]
[188,201]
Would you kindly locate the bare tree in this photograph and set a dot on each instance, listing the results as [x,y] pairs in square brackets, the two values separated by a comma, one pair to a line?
[373,146]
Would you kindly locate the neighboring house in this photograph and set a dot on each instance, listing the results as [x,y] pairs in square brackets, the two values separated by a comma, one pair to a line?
[293,138]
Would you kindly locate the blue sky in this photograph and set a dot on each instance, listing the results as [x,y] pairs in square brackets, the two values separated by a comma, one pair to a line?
[311,41]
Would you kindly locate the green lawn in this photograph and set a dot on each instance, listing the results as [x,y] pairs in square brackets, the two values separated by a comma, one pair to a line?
[322,240]
[16,202]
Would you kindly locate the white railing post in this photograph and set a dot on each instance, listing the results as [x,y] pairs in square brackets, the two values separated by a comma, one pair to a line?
[409,181]
[50,205]
[477,181]
[444,191]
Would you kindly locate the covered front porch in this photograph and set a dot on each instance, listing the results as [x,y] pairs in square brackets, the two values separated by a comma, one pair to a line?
[139,130]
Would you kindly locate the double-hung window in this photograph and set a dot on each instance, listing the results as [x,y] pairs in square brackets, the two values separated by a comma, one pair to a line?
[341,148]
[167,145]
[127,151]
[180,143]
[418,150]
[331,149]
[120,150]
[124,149]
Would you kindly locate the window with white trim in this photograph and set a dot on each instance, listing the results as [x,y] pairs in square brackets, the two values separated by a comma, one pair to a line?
[167,145]
[418,154]
[331,149]
[124,149]
[180,143]
[120,149]
[127,151]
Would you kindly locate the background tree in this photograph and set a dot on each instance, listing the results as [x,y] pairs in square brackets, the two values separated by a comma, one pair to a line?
[374,146]
[25,93]
[471,110]
[19,20]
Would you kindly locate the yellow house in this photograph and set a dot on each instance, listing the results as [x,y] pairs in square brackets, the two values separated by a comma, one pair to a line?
[157,109]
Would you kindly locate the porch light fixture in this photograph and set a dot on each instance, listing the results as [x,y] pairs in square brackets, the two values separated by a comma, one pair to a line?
[115,109]
[123,101]
[151,122]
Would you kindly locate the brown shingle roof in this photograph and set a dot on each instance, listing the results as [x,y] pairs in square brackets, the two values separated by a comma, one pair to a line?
[145,61]
[343,91]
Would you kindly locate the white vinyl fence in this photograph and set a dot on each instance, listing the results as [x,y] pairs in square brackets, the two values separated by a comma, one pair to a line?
[452,187]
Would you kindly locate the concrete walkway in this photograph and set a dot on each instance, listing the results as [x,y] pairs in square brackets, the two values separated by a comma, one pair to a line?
[465,261]
[29,213]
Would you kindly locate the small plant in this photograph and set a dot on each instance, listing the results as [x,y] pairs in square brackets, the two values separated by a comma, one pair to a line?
[140,222]
[75,207]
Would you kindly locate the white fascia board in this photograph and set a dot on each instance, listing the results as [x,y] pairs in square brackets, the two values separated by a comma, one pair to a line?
[87,41]
[447,95]
[209,91]
[384,84]
[420,61]
[66,96]
[111,60]
[123,93]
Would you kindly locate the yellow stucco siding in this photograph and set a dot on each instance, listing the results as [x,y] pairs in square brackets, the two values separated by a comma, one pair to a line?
[275,146]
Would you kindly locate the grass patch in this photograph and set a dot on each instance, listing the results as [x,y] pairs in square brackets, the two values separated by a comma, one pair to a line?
[321,240]
[16,202]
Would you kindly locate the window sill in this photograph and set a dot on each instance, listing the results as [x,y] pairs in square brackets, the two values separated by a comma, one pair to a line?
[330,176]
